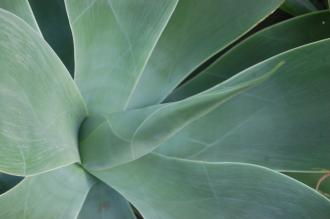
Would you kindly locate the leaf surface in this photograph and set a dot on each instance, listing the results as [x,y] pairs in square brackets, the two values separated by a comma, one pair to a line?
[318,181]
[121,47]
[112,41]
[52,195]
[283,124]
[22,9]
[269,42]
[196,31]
[103,202]
[41,107]
[125,136]
[175,189]
[297,7]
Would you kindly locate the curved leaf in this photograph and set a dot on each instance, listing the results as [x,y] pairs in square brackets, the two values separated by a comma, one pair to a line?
[112,41]
[283,124]
[126,136]
[175,189]
[270,41]
[296,7]
[196,31]
[103,202]
[37,96]
[22,9]
[319,181]
[56,194]
[116,58]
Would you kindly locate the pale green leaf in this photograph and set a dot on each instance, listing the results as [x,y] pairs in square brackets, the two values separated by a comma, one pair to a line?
[53,195]
[196,31]
[103,202]
[41,108]
[126,136]
[22,9]
[113,40]
[176,189]
[269,42]
[283,124]
[115,44]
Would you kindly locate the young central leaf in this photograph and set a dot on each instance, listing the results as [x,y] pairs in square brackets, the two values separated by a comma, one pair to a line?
[122,137]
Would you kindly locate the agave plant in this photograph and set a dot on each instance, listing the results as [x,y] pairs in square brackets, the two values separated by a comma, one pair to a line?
[242,139]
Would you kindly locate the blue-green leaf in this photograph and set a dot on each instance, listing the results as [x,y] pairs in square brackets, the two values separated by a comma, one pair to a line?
[283,124]
[175,189]
[53,195]
[269,42]
[22,9]
[112,41]
[41,107]
[103,202]
[122,137]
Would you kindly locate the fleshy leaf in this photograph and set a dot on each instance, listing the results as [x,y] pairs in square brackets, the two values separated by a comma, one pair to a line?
[115,44]
[296,7]
[318,181]
[175,189]
[196,31]
[270,41]
[283,124]
[52,195]
[103,202]
[113,40]
[126,136]
[22,9]
[41,107]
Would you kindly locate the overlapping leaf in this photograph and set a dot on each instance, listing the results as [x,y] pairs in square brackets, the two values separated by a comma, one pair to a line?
[114,40]
[196,31]
[260,46]
[52,19]
[22,9]
[127,56]
[296,7]
[41,108]
[103,202]
[317,181]
[173,188]
[122,137]
[56,194]
[257,126]
[284,123]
